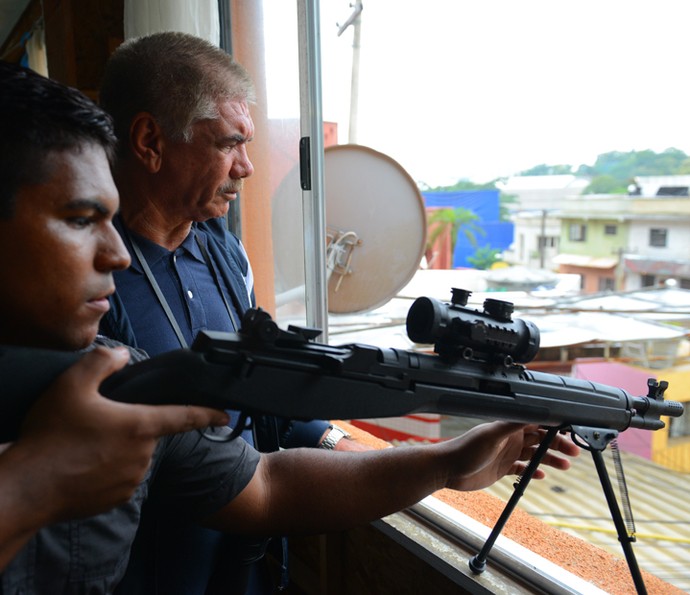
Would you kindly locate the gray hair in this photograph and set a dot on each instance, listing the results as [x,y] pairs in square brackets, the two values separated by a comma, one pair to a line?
[176,77]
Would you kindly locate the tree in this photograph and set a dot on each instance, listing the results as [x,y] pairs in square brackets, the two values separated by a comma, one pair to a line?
[617,168]
[484,257]
[606,184]
[547,170]
[504,200]
[451,221]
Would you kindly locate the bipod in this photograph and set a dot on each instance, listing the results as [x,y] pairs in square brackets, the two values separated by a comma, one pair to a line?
[478,562]
[596,441]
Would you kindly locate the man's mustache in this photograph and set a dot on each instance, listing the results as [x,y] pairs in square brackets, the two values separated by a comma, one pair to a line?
[232,187]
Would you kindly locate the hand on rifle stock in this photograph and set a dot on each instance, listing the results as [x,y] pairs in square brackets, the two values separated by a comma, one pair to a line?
[88,453]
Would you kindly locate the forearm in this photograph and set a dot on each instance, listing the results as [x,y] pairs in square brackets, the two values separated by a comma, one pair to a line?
[20,519]
[310,490]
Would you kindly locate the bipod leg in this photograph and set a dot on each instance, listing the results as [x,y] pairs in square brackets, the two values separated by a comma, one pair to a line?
[618,521]
[478,562]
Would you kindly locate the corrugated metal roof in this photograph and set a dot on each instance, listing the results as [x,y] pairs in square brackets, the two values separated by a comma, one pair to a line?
[574,500]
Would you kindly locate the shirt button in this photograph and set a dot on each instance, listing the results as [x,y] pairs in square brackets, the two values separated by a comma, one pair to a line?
[190,294]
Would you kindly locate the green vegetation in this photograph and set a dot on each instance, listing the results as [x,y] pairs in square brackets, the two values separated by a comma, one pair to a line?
[611,173]
[484,258]
[442,221]
[503,199]
[547,170]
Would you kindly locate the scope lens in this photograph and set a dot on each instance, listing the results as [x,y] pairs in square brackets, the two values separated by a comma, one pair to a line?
[420,320]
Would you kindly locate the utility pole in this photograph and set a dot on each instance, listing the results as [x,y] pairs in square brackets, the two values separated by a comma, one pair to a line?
[355,19]
[542,239]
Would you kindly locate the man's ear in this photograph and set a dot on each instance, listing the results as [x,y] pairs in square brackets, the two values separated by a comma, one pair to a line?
[146,141]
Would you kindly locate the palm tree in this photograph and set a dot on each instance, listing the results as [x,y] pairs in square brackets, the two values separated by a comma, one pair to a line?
[450,221]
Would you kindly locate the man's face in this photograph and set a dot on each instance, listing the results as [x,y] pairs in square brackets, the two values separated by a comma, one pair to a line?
[59,249]
[204,175]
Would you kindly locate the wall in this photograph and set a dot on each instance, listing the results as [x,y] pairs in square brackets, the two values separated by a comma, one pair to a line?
[79,34]
[678,239]
[597,243]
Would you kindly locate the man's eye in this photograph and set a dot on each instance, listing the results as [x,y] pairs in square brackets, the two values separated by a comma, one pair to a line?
[80,222]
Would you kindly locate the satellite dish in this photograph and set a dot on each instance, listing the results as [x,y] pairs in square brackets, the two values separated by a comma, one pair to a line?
[375,228]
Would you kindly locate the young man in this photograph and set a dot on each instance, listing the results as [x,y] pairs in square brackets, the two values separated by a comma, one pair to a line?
[62,222]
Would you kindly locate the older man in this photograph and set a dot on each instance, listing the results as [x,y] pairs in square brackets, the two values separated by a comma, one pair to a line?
[181,112]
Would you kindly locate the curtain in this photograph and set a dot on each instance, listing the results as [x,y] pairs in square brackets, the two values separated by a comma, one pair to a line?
[197,17]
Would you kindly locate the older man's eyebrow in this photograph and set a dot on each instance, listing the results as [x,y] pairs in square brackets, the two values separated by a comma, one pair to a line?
[235,139]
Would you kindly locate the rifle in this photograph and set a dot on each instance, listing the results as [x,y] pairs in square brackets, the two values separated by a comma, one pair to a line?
[477,371]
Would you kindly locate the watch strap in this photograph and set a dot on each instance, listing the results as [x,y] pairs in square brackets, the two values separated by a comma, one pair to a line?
[335,435]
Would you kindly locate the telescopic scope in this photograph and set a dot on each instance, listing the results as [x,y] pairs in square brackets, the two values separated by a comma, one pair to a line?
[458,331]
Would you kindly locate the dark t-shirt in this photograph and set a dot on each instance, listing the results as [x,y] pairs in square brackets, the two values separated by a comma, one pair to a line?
[190,477]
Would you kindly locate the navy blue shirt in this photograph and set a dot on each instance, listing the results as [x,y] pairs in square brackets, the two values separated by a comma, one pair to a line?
[189,288]
[192,288]
[136,317]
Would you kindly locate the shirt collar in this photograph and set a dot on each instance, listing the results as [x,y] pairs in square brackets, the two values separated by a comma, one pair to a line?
[153,253]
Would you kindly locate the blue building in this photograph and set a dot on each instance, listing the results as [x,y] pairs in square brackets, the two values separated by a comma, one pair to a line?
[483,203]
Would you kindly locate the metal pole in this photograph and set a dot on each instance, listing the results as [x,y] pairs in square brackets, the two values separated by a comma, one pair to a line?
[312,155]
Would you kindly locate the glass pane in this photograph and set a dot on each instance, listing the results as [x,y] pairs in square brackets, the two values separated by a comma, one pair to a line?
[265,41]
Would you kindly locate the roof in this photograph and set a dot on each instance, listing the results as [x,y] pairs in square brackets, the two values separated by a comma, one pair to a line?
[596,262]
[574,501]
[562,321]
[577,328]
[556,182]
[650,185]
[656,303]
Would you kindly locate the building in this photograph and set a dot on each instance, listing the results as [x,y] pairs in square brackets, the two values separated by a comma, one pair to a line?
[535,215]
[619,242]
[488,231]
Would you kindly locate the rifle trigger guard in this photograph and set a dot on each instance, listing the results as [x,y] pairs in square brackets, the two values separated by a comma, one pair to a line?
[592,438]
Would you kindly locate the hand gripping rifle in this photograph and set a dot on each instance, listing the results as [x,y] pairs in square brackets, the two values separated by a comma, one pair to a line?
[477,372]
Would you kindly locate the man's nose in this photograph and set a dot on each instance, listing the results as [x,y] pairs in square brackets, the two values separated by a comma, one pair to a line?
[242,167]
[112,253]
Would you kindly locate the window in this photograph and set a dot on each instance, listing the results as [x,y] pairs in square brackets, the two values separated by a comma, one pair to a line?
[610,230]
[672,191]
[577,232]
[548,242]
[607,283]
[648,280]
[657,237]
[679,427]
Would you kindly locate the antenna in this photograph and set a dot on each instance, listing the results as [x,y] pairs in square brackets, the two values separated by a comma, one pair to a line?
[376,230]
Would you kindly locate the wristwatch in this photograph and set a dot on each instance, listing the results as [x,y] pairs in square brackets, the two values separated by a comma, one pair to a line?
[335,435]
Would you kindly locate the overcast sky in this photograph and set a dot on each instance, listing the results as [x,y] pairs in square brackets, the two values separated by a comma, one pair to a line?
[479,89]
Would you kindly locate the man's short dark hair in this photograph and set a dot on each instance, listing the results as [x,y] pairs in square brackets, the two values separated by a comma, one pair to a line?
[38,116]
